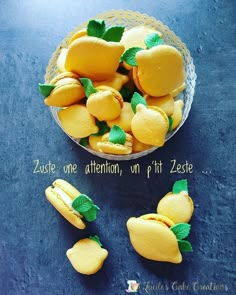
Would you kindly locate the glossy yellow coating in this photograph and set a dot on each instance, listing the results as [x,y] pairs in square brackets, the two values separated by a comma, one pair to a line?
[178,90]
[61,60]
[55,194]
[166,103]
[153,240]
[177,207]
[93,58]
[107,147]
[93,140]
[138,146]
[87,256]
[68,90]
[77,121]
[150,125]
[160,70]
[116,81]
[178,113]
[124,119]
[106,104]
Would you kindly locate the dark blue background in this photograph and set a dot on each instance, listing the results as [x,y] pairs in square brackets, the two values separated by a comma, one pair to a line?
[34,237]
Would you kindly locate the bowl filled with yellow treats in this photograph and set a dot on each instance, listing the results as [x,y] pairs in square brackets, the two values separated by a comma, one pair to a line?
[120,85]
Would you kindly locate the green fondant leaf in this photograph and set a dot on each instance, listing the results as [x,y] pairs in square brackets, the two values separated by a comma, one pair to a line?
[126,93]
[185,246]
[96,239]
[170,123]
[117,135]
[82,203]
[179,186]
[113,33]
[130,56]
[152,40]
[96,28]
[137,99]
[45,89]
[103,128]
[88,86]
[91,214]
[84,141]
[181,230]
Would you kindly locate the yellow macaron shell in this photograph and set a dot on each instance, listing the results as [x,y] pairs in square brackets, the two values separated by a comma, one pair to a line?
[78,34]
[166,103]
[177,207]
[105,104]
[177,114]
[116,81]
[86,256]
[178,90]
[77,121]
[61,60]
[138,146]
[160,70]
[93,140]
[153,240]
[150,125]
[93,58]
[159,218]
[55,193]
[124,119]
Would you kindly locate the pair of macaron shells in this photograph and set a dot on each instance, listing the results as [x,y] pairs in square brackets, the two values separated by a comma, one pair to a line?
[157,236]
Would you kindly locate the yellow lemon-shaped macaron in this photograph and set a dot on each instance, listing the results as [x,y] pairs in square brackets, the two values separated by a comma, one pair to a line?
[61,60]
[77,35]
[93,140]
[87,256]
[159,218]
[166,103]
[178,90]
[160,70]
[105,104]
[124,119]
[116,81]
[177,114]
[93,58]
[68,90]
[153,240]
[77,121]
[139,146]
[150,125]
[178,207]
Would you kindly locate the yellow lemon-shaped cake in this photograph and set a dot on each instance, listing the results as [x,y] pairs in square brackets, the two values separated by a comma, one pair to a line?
[93,58]
[166,103]
[124,119]
[77,121]
[178,207]
[177,114]
[87,256]
[160,70]
[105,104]
[153,239]
[68,90]
[150,125]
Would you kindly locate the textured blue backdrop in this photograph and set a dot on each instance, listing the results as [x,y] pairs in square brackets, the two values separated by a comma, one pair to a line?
[34,237]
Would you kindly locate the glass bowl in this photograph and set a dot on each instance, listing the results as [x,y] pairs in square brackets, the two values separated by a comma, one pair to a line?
[130,19]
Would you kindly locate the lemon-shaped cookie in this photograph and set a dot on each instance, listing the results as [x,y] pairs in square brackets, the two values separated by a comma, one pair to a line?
[105,104]
[93,58]
[77,121]
[177,114]
[166,103]
[87,256]
[93,140]
[150,125]
[139,146]
[116,81]
[61,60]
[160,70]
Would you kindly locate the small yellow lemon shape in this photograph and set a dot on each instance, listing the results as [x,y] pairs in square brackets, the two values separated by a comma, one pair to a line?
[177,114]
[87,256]
[138,146]
[93,140]
[116,81]
[77,121]
[153,240]
[61,60]
[93,58]
[166,103]
[160,70]
[178,207]
[105,104]
[150,125]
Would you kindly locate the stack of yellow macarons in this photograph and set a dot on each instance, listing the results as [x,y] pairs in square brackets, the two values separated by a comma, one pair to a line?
[102,71]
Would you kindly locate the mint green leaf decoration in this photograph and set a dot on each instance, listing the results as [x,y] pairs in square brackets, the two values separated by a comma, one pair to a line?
[45,89]
[181,230]
[171,121]
[129,56]
[117,135]
[82,203]
[88,86]
[185,246]
[96,28]
[91,214]
[179,186]
[137,99]
[152,40]
[103,128]
[96,239]
[113,34]
[84,141]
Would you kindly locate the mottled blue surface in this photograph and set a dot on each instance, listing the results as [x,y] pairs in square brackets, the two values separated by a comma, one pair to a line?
[34,237]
